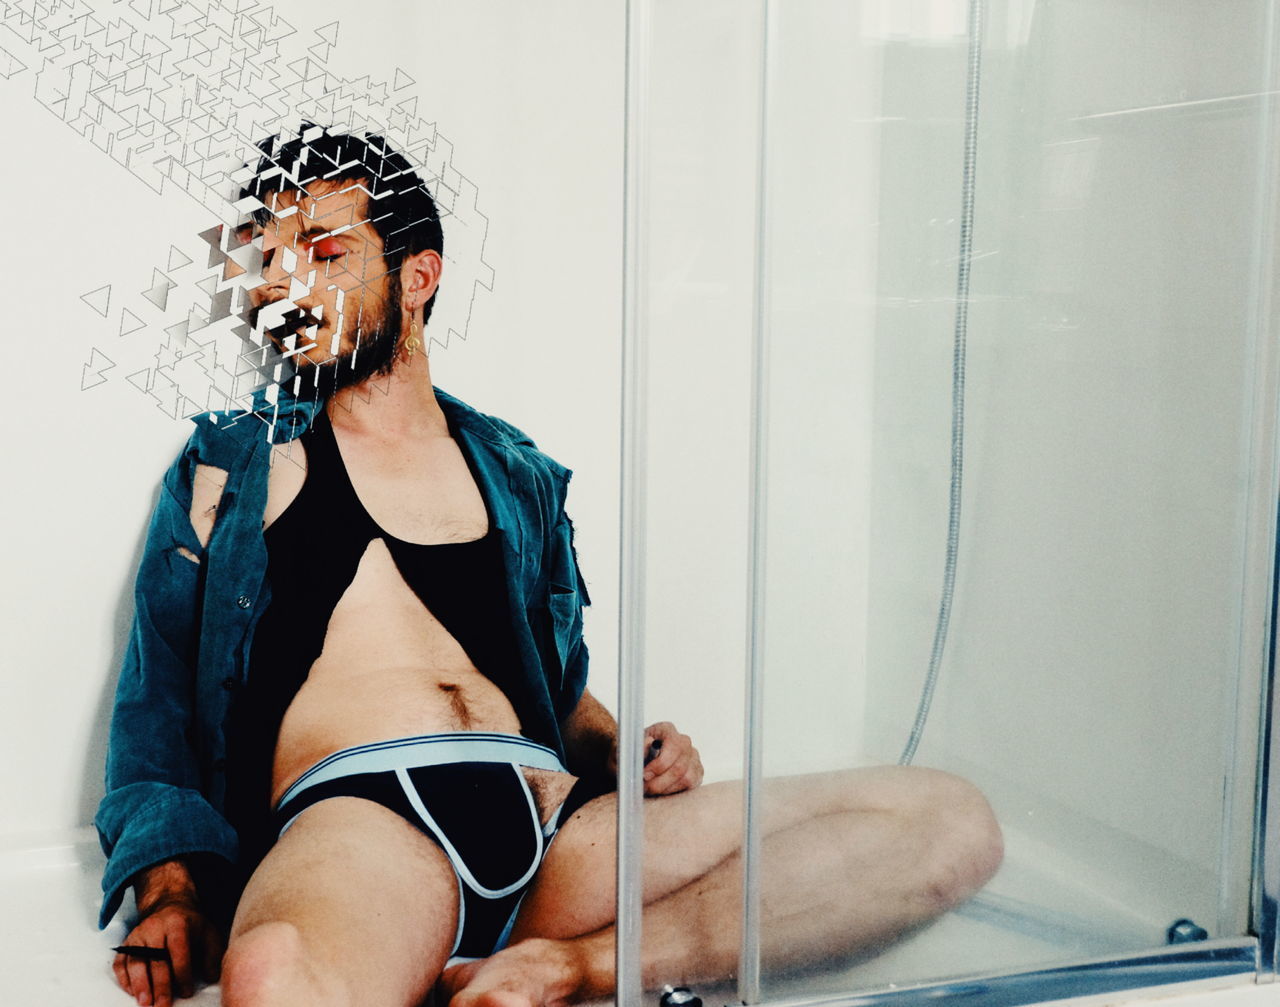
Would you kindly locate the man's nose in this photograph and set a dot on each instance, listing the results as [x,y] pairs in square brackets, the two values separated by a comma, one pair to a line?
[280,265]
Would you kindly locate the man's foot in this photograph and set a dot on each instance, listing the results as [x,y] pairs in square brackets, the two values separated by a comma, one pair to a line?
[533,973]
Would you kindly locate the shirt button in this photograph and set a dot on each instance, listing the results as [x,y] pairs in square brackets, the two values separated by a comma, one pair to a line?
[244,601]
[219,765]
[229,683]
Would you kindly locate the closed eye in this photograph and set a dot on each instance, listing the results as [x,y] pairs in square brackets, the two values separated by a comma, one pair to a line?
[327,249]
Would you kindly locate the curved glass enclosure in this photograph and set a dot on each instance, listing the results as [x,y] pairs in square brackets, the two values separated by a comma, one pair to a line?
[960,414]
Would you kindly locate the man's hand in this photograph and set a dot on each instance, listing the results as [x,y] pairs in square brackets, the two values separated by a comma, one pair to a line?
[675,765]
[171,920]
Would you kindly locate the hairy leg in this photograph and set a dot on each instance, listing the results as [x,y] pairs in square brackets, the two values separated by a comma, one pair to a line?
[352,906]
[850,861]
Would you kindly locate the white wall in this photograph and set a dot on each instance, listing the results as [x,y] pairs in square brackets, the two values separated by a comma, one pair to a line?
[531,98]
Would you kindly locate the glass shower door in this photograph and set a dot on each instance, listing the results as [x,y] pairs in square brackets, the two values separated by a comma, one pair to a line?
[1086,422]
[1093,416]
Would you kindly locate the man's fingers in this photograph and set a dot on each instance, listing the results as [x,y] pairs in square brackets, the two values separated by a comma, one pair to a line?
[139,980]
[673,780]
[676,766]
[213,949]
[122,974]
[180,959]
[661,762]
[161,984]
[674,749]
[684,774]
[669,751]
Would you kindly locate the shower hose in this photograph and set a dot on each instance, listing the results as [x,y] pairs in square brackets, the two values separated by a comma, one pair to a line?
[972,89]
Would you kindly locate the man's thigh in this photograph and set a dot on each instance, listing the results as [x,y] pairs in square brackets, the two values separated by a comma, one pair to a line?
[688,834]
[374,901]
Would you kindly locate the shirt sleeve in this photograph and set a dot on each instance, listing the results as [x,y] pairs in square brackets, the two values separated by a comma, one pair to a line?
[154,808]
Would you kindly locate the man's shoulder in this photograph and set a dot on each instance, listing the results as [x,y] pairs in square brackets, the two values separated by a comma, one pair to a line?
[226,435]
[223,440]
[499,432]
[221,437]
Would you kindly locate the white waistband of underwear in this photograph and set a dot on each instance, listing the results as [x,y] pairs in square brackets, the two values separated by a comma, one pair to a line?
[426,750]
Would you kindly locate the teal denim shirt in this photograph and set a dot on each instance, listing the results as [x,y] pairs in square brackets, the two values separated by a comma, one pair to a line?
[193,625]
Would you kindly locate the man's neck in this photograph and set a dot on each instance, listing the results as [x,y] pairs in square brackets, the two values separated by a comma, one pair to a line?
[395,406]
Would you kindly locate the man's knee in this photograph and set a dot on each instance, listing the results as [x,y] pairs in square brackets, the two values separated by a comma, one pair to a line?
[261,963]
[965,843]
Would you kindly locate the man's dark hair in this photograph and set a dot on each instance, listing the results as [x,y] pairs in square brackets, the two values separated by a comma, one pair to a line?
[401,209]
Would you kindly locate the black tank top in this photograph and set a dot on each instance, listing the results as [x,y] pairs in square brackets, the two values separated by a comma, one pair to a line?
[313,550]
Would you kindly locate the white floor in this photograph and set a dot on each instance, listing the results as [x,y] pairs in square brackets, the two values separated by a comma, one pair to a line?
[52,954]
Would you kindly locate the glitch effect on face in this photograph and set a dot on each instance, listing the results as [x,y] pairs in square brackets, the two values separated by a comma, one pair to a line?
[180,94]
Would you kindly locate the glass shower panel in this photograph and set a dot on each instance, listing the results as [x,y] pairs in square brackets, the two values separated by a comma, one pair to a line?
[1099,681]
[695,183]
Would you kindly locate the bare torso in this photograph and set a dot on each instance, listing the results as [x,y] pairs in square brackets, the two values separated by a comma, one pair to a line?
[389,668]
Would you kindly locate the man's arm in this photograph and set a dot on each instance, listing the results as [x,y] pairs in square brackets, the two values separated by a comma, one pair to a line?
[156,816]
[155,807]
[589,732]
[590,736]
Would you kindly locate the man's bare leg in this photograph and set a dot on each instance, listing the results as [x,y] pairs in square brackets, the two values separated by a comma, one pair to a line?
[352,906]
[850,861]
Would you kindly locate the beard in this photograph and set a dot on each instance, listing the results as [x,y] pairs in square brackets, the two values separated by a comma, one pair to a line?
[377,337]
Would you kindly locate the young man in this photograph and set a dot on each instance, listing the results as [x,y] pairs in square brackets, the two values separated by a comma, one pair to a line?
[354,719]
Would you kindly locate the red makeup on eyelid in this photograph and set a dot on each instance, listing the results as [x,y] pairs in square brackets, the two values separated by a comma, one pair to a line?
[327,248]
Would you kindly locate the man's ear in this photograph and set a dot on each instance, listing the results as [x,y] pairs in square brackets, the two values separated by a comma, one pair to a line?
[419,277]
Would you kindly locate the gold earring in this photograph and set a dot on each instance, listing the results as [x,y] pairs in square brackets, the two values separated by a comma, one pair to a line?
[413,342]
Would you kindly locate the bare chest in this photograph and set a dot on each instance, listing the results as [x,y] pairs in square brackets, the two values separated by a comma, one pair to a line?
[419,491]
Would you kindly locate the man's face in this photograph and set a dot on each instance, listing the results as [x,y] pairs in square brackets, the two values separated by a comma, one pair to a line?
[326,301]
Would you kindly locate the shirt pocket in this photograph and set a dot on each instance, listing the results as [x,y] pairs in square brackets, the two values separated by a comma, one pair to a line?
[566,592]
[562,601]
